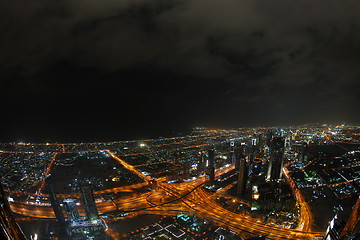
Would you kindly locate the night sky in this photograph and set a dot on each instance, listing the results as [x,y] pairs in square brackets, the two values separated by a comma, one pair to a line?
[87,70]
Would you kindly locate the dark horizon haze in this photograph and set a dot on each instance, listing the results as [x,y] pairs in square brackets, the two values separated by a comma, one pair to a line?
[116,70]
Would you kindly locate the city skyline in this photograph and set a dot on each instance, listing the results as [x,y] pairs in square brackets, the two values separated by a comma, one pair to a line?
[180,119]
[243,183]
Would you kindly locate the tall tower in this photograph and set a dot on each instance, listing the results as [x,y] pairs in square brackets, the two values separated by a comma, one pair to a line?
[276,159]
[71,209]
[210,170]
[303,151]
[260,140]
[232,152]
[239,154]
[89,202]
[56,207]
[186,170]
[201,165]
[254,148]
[242,176]
[288,141]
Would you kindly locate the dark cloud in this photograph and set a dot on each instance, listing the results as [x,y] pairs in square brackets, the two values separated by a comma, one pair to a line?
[227,63]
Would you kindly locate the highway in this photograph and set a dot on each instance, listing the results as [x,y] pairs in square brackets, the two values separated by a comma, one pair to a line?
[201,205]
[168,199]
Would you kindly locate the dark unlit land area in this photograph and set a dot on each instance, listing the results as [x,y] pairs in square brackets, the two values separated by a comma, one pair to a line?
[101,170]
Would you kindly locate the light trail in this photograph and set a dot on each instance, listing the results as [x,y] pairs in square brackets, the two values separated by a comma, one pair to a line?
[128,166]
[306,219]
[47,172]
[187,197]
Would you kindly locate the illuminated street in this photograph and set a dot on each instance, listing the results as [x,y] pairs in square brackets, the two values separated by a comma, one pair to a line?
[170,181]
[180,120]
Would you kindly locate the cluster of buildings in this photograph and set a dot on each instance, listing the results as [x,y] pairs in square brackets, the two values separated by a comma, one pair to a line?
[182,227]
[74,225]
[253,165]
[23,171]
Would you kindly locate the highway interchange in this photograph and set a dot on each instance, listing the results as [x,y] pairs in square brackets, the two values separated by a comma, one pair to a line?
[172,198]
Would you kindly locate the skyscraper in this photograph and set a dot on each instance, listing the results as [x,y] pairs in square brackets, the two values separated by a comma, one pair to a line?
[242,176]
[89,202]
[186,170]
[303,151]
[210,170]
[276,159]
[232,152]
[254,149]
[288,141]
[202,162]
[56,207]
[239,154]
[71,209]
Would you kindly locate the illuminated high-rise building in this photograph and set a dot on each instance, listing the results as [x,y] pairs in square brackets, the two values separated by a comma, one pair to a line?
[186,170]
[232,152]
[56,207]
[276,159]
[288,141]
[303,152]
[76,226]
[242,176]
[89,202]
[268,138]
[260,141]
[202,162]
[210,170]
[254,149]
[71,209]
[254,142]
[239,154]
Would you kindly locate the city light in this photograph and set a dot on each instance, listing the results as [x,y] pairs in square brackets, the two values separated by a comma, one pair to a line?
[197,174]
